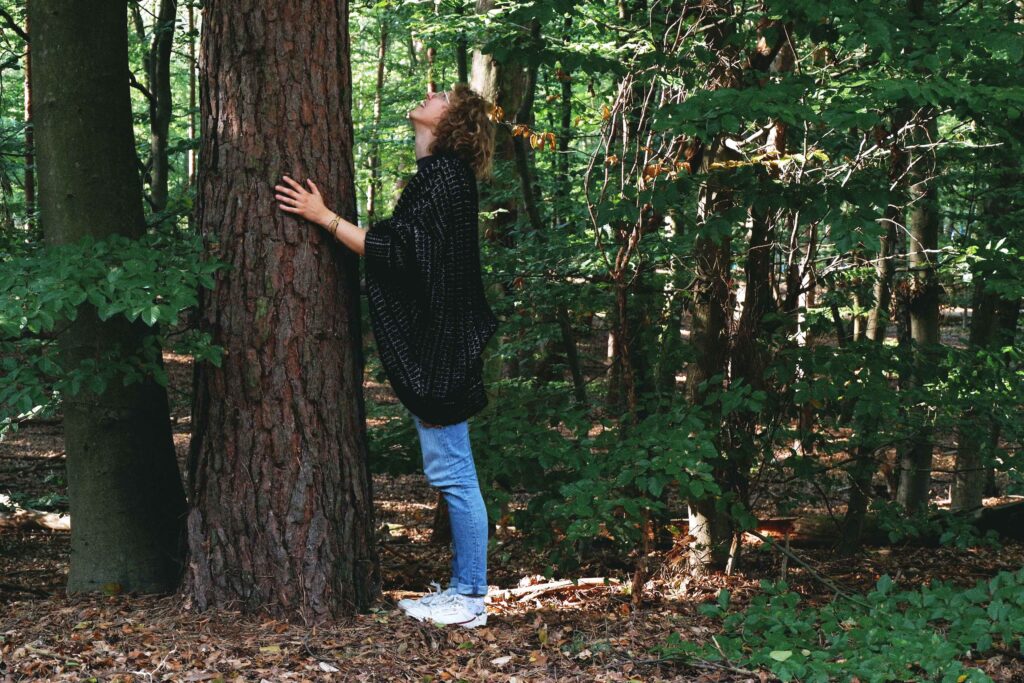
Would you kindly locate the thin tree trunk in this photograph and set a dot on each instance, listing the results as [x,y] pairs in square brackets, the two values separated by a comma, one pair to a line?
[125,490]
[562,180]
[282,516]
[191,101]
[504,85]
[521,143]
[916,460]
[30,162]
[162,102]
[378,97]
[864,465]
[461,51]
[993,326]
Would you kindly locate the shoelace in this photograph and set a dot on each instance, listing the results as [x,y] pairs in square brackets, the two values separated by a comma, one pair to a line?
[433,595]
[446,599]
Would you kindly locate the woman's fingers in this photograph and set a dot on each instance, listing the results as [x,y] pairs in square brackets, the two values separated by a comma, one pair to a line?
[293,184]
[287,191]
[296,198]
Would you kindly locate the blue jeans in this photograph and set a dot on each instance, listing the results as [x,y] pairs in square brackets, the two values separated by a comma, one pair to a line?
[448,465]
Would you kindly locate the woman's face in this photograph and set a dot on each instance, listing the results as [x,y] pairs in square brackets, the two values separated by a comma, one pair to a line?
[430,111]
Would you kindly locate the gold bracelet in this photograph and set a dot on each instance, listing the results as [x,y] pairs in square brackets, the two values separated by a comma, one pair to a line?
[332,224]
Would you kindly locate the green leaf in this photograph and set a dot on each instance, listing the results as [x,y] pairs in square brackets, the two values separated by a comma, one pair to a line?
[151,315]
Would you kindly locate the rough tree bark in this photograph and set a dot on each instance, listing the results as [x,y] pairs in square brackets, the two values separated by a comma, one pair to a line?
[125,490]
[282,516]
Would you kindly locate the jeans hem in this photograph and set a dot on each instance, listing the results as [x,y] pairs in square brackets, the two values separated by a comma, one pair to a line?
[470,589]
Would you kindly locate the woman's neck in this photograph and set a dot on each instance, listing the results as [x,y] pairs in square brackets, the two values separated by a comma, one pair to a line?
[424,136]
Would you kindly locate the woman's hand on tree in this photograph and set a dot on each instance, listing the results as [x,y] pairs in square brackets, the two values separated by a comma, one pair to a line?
[301,202]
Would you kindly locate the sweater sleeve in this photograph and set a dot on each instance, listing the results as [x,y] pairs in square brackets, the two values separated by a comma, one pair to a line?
[387,244]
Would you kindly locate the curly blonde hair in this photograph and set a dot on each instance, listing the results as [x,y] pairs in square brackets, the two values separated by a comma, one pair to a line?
[467,130]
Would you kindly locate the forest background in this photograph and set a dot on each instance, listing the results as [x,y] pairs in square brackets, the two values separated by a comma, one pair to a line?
[758,269]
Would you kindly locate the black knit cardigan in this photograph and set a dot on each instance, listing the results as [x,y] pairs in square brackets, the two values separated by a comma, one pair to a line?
[430,318]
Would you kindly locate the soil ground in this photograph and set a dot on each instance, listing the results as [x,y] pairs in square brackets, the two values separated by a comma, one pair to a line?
[592,634]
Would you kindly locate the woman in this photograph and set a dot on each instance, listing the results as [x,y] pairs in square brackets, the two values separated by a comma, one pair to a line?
[431,319]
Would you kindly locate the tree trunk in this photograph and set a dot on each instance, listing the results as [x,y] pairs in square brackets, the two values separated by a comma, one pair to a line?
[461,50]
[711,314]
[712,302]
[864,464]
[30,162]
[125,490]
[504,85]
[282,515]
[162,103]
[885,265]
[916,460]
[993,325]
[378,98]
[191,102]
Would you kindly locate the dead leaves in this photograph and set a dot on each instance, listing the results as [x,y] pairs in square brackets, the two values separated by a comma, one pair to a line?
[537,140]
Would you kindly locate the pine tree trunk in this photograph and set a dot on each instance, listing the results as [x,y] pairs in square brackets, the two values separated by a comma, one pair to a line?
[126,497]
[282,515]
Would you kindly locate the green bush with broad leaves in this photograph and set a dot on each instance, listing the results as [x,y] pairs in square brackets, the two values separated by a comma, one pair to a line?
[152,279]
[579,486]
[927,634]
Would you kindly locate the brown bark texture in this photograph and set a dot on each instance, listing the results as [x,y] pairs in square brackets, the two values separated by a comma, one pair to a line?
[281,517]
[124,487]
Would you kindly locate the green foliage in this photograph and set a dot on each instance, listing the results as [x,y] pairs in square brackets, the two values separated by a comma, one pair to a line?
[151,279]
[919,634]
[952,529]
[595,489]
[48,502]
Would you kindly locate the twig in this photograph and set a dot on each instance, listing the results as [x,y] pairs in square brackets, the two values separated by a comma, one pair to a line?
[24,589]
[821,577]
[49,653]
[530,592]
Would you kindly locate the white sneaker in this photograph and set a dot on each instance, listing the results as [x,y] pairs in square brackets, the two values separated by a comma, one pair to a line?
[450,608]
[407,603]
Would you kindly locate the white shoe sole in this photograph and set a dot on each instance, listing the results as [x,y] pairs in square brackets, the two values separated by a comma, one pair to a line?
[478,620]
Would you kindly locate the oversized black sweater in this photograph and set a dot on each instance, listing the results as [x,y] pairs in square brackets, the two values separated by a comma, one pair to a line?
[430,318]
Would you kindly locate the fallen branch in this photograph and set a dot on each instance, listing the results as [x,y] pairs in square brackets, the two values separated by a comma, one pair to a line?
[24,589]
[528,593]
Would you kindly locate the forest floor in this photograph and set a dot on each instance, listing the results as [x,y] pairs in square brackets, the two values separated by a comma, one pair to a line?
[584,634]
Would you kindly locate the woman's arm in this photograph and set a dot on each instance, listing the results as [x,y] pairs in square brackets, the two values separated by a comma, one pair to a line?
[310,205]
